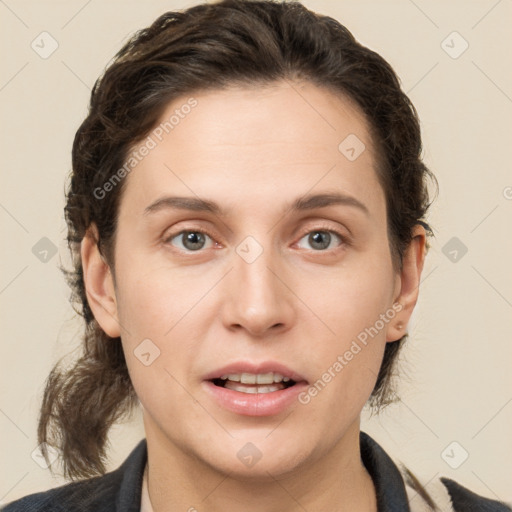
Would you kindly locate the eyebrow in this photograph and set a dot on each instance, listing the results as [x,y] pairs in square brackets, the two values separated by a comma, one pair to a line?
[308,202]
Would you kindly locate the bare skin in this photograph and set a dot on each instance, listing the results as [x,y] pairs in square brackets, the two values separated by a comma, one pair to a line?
[254,152]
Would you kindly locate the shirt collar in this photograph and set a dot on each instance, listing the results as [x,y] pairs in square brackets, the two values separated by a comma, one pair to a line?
[387,480]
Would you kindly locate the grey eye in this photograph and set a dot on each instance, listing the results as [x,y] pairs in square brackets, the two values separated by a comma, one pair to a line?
[190,240]
[319,240]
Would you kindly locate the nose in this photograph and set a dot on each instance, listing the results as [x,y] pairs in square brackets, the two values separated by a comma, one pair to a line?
[258,299]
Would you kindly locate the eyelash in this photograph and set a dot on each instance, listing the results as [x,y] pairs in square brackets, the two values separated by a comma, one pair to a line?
[344,241]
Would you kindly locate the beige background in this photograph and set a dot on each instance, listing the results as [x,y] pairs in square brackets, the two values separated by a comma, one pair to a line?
[457,383]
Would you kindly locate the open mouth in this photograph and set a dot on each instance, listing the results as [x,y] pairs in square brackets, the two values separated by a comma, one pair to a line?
[252,389]
[254,383]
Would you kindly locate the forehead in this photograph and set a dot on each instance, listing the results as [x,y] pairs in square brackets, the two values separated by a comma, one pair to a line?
[248,144]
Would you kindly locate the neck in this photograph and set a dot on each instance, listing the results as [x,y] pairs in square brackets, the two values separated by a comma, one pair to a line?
[336,481]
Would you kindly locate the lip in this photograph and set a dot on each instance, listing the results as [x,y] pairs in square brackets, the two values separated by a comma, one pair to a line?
[257,404]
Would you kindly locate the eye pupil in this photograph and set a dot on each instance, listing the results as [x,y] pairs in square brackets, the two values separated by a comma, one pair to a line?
[320,239]
[193,240]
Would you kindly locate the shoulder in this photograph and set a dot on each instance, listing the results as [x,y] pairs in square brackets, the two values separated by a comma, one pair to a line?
[465,500]
[398,489]
[80,496]
[114,491]
[447,495]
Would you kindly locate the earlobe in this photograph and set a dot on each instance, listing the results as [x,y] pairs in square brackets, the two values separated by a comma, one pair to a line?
[408,283]
[99,284]
[397,328]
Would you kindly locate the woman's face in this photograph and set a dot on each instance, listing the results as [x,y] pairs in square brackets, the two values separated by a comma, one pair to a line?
[273,268]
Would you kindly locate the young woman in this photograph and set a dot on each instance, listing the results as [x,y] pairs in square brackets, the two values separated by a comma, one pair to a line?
[246,216]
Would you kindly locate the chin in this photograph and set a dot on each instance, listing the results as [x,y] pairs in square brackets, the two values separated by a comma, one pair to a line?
[255,458]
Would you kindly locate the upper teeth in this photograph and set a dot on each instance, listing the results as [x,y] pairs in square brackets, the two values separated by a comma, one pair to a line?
[260,378]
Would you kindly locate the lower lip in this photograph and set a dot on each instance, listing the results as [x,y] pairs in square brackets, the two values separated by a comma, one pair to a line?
[257,404]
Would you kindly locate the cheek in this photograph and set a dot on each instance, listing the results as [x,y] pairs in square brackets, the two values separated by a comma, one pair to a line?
[354,305]
[155,341]
[351,298]
[153,296]
[161,313]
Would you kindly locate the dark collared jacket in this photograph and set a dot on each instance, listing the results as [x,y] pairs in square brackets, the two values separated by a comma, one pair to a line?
[121,490]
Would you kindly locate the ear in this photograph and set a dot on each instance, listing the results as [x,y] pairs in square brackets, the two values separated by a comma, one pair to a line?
[99,284]
[407,284]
